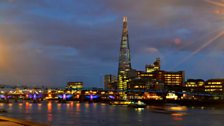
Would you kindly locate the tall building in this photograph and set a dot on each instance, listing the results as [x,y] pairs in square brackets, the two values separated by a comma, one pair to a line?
[110,82]
[124,58]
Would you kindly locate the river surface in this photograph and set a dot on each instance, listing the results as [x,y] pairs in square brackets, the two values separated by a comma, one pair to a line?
[99,114]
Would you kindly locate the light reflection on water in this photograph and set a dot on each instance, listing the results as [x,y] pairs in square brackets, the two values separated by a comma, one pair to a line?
[85,114]
[59,107]
[39,107]
[49,112]
[177,116]
[20,105]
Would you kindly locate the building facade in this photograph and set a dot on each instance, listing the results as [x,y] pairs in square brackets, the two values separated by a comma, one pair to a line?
[124,58]
[110,82]
[75,85]
[194,85]
[214,85]
[173,78]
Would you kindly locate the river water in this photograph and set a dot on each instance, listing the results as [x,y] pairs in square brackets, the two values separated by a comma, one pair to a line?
[99,114]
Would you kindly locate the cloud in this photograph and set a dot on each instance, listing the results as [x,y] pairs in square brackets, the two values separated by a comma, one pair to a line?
[151,50]
[53,42]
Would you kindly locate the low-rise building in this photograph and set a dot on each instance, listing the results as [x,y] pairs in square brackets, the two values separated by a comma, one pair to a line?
[195,85]
[75,85]
[214,85]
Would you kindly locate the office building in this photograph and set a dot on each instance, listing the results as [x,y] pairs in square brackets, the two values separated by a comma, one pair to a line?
[214,85]
[194,85]
[110,82]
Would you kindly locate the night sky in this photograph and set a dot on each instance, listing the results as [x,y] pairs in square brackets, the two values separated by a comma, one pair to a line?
[50,42]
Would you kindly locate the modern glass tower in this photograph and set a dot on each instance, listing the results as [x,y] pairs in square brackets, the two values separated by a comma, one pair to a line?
[124,58]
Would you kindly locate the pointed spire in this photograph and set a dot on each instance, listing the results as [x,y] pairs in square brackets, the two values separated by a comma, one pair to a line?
[125,26]
[125,19]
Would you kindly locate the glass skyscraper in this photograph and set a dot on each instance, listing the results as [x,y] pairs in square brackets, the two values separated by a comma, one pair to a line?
[124,58]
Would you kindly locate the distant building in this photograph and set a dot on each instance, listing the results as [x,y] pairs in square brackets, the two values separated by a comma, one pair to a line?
[75,85]
[137,84]
[214,85]
[195,85]
[141,80]
[153,67]
[110,82]
[138,80]
[170,78]
[155,79]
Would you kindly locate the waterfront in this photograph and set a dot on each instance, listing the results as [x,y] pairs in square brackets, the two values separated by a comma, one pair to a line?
[85,114]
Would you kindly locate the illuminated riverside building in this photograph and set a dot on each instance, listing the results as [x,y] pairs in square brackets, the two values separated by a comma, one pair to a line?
[194,85]
[110,82]
[214,85]
[124,58]
[141,80]
[154,79]
[75,85]
[171,78]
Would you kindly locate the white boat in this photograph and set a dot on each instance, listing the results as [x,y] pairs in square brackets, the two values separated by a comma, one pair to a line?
[138,104]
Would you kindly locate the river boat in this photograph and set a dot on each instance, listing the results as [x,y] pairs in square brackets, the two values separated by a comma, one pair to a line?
[120,102]
[138,104]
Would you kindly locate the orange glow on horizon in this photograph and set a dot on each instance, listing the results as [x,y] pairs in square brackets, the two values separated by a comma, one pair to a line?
[215,3]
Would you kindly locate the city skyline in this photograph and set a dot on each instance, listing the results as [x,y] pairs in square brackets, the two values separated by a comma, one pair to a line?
[53,43]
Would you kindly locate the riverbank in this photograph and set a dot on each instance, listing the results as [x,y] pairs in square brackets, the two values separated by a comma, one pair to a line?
[6,121]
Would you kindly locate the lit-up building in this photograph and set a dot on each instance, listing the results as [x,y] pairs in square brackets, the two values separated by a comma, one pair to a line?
[110,82]
[75,85]
[138,80]
[155,79]
[153,67]
[138,84]
[124,58]
[141,80]
[214,85]
[194,85]
[172,78]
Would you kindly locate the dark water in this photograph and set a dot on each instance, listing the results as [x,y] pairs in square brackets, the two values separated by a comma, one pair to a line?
[98,114]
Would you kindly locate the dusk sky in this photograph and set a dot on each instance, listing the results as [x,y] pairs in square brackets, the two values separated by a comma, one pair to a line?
[50,42]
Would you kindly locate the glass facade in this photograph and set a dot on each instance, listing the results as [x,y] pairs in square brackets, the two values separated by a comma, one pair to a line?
[124,58]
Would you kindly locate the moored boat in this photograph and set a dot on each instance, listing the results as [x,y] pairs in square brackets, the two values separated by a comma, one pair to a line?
[138,104]
[120,102]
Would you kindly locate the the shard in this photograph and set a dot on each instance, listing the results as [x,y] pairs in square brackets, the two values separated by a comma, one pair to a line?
[124,58]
